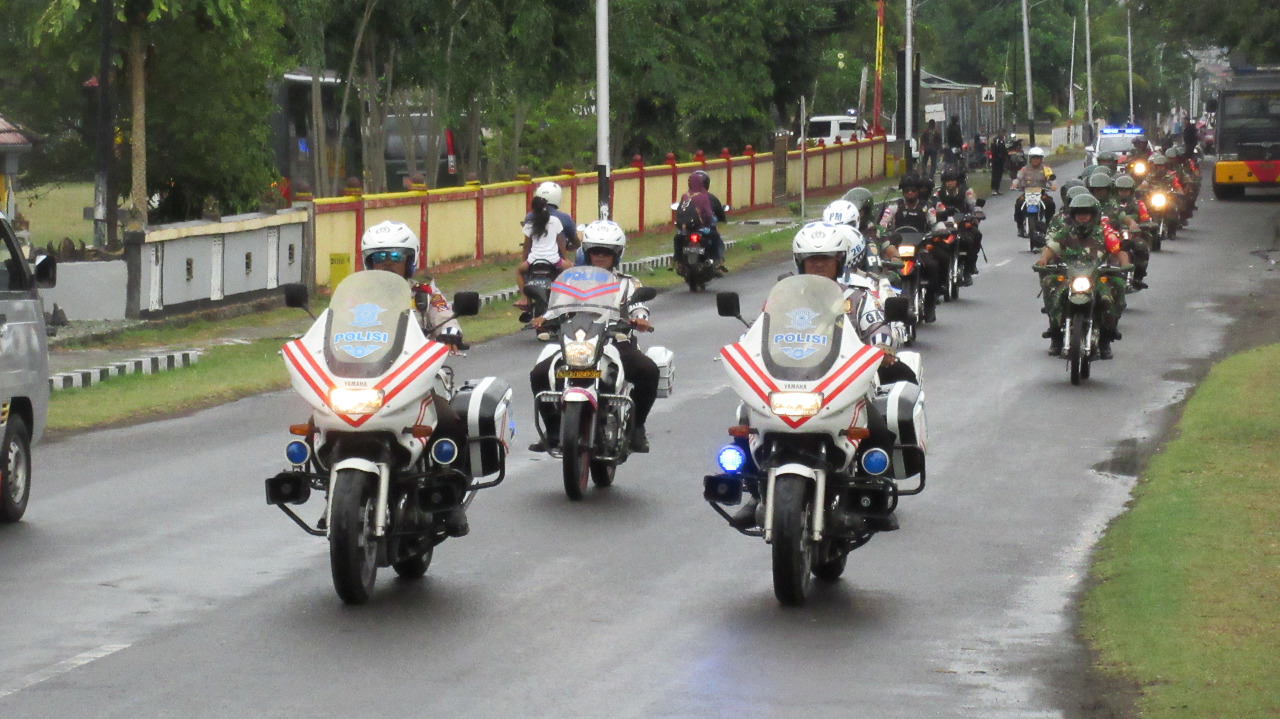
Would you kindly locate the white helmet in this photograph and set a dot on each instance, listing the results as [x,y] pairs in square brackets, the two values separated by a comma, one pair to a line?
[550,192]
[1035,152]
[390,236]
[820,238]
[857,246]
[841,212]
[604,233]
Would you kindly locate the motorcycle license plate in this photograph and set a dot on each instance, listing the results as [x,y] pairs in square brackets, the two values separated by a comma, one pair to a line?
[577,374]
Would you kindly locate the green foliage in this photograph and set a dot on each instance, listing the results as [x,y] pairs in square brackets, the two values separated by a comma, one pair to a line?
[1250,27]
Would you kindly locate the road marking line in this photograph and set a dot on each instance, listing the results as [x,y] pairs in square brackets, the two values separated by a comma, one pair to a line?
[1002,263]
[61,667]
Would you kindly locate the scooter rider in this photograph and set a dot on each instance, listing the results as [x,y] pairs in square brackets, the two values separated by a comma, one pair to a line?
[914,212]
[697,210]
[393,247]
[1084,237]
[604,242]
[821,248]
[1035,174]
[953,198]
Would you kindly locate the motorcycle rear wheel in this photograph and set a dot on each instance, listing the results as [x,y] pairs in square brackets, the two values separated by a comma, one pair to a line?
[575,448]
[602,473]
[792,550]
[353,550]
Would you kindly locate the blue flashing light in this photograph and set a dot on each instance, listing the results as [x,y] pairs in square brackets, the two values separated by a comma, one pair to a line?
[297,452]
[444,451]
[731,459]
[875,461]
[1133,131]
[1110,131]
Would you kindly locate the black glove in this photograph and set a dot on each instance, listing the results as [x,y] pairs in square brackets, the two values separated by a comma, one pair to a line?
[454,340]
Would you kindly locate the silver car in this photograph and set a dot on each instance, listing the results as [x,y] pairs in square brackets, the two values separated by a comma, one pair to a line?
[24,368]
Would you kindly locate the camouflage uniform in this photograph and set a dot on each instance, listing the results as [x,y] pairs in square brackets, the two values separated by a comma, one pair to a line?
[1074,243]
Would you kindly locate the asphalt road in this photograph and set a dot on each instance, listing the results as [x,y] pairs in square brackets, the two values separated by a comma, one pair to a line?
[149,579]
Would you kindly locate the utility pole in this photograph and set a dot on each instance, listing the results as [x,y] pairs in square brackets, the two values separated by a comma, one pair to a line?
[1071,75]
[875,111]
[102,176]
[1026,60]
[602,106]
[1088,71]
[1128,31]
[909,67]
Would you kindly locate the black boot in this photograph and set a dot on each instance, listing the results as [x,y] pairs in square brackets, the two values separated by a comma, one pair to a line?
[1105,337]
[1055,340]
[639,440]
[745,518]
[931,308]
[1022,230]
[455,525]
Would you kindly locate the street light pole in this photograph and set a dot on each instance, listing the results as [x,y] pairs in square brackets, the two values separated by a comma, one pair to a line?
[602,106]
[1026,60]
[1128,31]
[909,67]
[102,176]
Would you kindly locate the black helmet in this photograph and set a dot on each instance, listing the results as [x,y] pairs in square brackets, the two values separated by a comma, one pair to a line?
[912,181]
[950,174]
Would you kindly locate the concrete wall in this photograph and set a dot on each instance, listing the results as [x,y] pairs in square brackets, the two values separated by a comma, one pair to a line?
[89,290]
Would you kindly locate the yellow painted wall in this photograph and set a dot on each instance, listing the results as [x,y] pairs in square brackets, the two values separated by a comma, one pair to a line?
[503,216]
[657,201]
[626,199]
[451,230]
[335,233]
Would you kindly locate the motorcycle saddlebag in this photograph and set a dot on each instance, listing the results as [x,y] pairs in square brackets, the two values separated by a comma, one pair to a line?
[902,406]
[485,407]
[665,359]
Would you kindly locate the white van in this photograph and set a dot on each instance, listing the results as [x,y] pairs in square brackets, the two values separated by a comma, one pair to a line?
[828,127]
[24,368]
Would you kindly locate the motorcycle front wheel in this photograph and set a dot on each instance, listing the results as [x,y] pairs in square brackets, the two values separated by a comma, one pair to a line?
[575,448]
[1075,344]
[792,550]
[956,276]
[353,551]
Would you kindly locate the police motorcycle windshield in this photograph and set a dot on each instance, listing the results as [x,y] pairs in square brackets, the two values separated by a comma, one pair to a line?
[802,323]
[368,319]
[586,289]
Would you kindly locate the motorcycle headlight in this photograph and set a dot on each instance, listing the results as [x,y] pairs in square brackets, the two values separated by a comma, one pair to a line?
[1158,200]
[579,353]
[907,251]
[355,400]
[795,404]
[1081,284]
[1139,168]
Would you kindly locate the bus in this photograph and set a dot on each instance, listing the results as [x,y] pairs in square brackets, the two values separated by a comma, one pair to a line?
[1248,132]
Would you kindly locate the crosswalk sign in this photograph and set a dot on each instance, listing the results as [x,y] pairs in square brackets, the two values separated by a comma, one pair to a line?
[988,94]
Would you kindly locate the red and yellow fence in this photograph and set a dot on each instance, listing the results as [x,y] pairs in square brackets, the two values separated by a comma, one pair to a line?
[480,221]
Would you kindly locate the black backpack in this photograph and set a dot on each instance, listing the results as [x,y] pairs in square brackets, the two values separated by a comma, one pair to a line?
[687,217]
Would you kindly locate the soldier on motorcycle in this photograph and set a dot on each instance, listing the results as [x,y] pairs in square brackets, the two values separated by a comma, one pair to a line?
[1129,209]
[1035,174]
[604,243]
[1084,238]
[393,247]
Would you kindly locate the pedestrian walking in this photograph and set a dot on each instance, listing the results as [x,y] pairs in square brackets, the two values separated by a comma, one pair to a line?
[999,159]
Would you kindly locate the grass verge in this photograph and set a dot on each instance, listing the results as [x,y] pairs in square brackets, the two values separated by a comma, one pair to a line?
[56,211]
[1186,584]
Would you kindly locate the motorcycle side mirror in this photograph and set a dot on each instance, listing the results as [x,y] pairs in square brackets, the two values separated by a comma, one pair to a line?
[727,304]
[466,304]
[982,202]
[897,309]
[46,271]
[1053,176]
[644,294]
[295,296]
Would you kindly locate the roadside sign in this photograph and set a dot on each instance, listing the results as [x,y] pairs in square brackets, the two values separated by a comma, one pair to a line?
[988,94]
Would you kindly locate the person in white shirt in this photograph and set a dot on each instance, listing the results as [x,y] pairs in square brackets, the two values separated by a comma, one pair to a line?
[543,240]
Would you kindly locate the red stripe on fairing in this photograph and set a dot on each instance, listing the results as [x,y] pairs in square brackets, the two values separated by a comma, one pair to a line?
[435,347]
[289,351]
[863,358]
[412,376]
[740,365]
